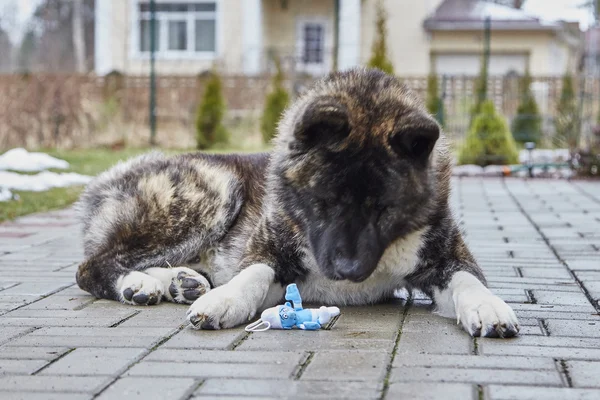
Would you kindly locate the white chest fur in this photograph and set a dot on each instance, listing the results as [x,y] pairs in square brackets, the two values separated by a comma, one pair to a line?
[398,261]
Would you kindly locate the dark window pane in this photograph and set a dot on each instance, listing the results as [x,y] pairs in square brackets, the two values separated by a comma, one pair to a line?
[203,7]
[177,35]
[313,43]
[145,35]
[178,7]
[205,35]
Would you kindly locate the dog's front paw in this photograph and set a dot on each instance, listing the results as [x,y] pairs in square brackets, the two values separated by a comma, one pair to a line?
[483,314]
[138,288]
[220,308]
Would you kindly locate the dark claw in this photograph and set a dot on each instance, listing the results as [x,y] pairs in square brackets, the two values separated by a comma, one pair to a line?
[492,332]
[181,276]
[173,289]
[191,294]
[190,283]
[153,300]
[128,294]
[209,325]
[476,330]
[141,298]
[195,320]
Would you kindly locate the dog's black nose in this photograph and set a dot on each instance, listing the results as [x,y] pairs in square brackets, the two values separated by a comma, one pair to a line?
[352,270]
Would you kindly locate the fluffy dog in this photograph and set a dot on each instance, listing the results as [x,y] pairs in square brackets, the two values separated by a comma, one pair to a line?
[351,205]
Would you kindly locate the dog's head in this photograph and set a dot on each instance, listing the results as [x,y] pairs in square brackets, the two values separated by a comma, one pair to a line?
[357,169]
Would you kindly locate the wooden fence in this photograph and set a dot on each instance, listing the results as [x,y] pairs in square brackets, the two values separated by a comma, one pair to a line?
[42,110]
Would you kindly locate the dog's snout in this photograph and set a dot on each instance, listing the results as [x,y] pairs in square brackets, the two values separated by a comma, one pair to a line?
[350,269]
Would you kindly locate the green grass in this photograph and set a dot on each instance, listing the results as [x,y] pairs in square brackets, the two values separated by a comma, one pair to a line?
[86,162]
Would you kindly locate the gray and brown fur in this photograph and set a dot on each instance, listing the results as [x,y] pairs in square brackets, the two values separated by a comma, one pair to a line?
[359,171]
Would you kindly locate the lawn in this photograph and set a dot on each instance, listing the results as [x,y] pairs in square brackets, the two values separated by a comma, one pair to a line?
[87,162]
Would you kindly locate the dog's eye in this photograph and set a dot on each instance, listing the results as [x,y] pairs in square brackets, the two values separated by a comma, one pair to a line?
[414,142]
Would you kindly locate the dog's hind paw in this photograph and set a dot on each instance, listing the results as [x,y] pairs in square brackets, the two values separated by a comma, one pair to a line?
[138,288]
[187,287]
[486,315]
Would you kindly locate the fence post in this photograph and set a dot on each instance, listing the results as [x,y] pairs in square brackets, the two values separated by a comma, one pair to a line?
[152,111]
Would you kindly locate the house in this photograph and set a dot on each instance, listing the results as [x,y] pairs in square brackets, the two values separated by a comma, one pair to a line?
[240,35]
[518,40]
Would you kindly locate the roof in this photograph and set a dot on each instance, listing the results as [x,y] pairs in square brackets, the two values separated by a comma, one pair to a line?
[470,14]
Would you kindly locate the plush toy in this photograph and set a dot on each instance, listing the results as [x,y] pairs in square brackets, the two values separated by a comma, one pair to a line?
[292,314]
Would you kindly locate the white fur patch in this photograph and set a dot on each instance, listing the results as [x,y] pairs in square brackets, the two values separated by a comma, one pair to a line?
[398,260]
[234,303]
[473,305]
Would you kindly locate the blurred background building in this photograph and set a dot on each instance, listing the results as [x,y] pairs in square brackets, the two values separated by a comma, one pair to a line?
[76,72]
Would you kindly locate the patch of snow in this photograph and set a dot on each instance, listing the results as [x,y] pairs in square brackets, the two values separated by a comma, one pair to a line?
[42,181]
[5,194]
[21,160]
[467,170]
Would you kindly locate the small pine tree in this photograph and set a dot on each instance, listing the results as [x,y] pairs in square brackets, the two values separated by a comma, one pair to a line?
[379,57]
[527,125]
[209,118]
[480,91]
[566,121]
[275,104]
[489,141]
[434,102]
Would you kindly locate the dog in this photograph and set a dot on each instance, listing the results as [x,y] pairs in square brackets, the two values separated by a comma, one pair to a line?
[351,205]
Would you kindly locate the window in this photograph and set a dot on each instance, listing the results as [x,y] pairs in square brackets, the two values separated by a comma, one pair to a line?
[183,29]
[313,43]
[312,51]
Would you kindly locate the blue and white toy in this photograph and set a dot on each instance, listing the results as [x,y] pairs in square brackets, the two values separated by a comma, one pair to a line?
[292,314]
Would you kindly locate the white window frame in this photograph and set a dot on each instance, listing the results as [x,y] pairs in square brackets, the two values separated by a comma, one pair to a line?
[313,68]
[162,18]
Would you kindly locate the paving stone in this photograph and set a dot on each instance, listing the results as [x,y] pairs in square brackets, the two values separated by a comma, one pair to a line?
[503,392]
[289,389]
[77,384]
[559,273]
[347,366]
[574,328]
[558,298]
[584,373]
[192,339]
[56,302]
[94,361]
[93,337]
[479,375]
[567,353]
[225,356]
[431,391]
[9,333]
[334,339]
[449,339]
[473,362]
[31,353]
[212,370]
[584,265]
[131,388]
[21,367]
[23,395]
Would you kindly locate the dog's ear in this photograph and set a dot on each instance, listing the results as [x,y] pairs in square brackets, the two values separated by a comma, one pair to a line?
[324,121]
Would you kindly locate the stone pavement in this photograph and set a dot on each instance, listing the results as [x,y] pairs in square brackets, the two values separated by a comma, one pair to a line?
[538,242]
